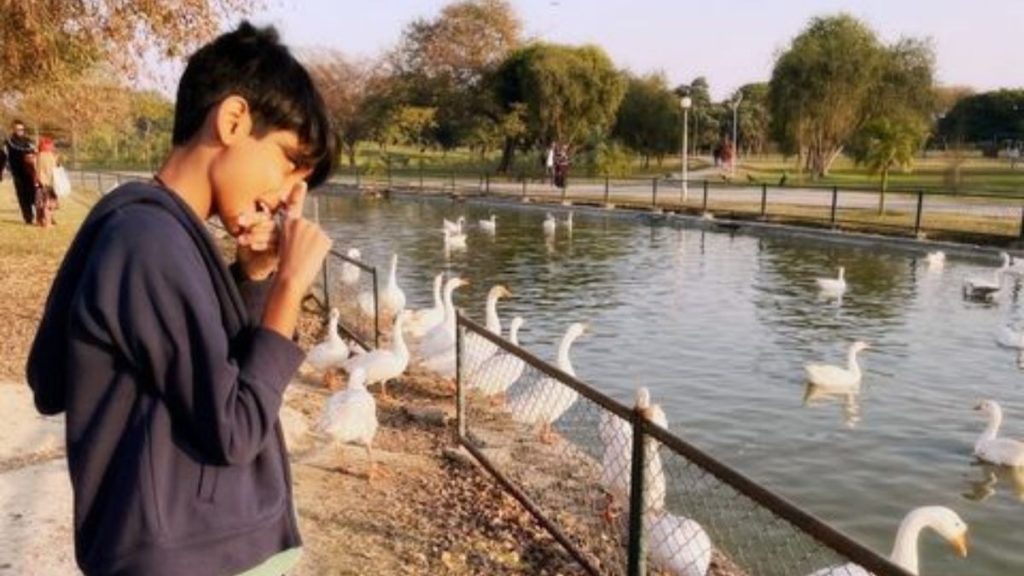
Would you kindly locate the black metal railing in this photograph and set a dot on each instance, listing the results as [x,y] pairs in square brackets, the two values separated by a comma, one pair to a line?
[619,491]
[907,211]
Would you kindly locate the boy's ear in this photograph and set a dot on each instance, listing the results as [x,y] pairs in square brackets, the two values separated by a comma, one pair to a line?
[232,120]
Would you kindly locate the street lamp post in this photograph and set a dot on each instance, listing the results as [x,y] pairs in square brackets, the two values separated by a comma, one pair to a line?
[735,142]
[686,102]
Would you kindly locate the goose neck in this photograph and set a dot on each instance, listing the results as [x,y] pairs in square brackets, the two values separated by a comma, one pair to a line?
[904,551]
[564,363]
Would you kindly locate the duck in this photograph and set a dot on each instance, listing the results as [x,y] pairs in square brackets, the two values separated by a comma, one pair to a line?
[419,322]
[350,272]
[989,448]
[496,374]
[441,337]
[330,352]
[837,379]
[392,298]
[545,401]
[904,553]
[833,286]
[453,227]
[617,457]
[935,259]
[350,416]
[382,364]
[549,224]
[490,226]
[679,546]
[985,286]
[477,349]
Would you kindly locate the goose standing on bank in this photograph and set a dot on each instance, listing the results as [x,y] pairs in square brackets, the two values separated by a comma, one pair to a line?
[442,336]
[836,379]
[987,286]
[990,448]
[332,351]
[419,322]
[350,417]
[904,553]
[382,364]
[496,374]
[833,286]
[617,458]
[350,272]
[545,401]
[391,299]
[477,349]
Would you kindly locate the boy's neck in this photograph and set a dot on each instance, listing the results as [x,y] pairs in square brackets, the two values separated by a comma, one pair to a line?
[186,173]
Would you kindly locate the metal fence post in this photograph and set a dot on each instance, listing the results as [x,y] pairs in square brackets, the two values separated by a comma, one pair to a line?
[452,176]
[389,173]
[835,199]
[704,205]
[357,178]
[607,190]
[487,183]
[764,199]
[654,192]
[1021,235]
[523,177]
[460,392]
[920,205]
[421,174]
[636,562]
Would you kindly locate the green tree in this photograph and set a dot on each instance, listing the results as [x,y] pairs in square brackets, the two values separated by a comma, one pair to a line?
[704,114]
[567,93]
[988,117]
[649,118]
[752,117]
[887,144]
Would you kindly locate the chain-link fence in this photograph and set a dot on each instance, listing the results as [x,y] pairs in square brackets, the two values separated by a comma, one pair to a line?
[350,285]
[621,493]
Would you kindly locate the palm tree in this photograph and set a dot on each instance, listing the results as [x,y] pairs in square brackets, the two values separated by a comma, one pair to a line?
[889,144]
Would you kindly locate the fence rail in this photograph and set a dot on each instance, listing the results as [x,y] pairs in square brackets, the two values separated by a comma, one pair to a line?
[682,511]
[912,212]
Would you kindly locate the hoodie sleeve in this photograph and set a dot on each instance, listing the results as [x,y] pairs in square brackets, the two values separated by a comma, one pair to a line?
[151,295]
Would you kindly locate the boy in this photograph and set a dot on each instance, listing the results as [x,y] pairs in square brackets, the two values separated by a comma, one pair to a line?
[170,366]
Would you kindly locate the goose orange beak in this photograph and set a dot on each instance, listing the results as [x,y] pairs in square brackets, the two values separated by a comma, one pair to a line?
[959,543]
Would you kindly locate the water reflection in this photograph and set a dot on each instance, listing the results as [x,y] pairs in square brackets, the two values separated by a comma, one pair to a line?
[983,487]
[850,402]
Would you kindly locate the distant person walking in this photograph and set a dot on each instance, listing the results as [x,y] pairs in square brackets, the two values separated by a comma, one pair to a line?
[561,166]
[18,147]
[46,198]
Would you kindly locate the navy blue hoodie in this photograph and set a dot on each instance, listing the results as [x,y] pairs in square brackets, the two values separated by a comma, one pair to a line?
[171,393]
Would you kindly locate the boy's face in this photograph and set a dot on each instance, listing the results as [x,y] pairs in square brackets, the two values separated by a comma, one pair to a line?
[254,174]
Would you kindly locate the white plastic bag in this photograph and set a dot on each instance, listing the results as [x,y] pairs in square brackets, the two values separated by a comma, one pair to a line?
[61,182]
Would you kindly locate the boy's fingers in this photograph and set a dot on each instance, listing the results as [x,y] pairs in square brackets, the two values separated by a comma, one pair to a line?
[296,200]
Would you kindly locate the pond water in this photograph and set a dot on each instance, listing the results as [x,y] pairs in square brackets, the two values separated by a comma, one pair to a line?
[719,327]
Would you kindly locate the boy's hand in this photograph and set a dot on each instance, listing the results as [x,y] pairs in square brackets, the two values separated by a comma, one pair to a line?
[302,247]
[257,253]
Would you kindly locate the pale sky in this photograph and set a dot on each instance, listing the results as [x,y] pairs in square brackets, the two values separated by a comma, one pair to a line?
[977,42]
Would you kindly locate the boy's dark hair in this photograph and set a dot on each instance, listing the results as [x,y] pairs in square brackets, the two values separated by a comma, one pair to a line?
[252,63]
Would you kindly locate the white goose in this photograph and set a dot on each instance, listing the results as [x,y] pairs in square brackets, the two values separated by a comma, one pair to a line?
[350,416]
[496,374]
[454,227]
[350,272]
[617,458]
[935,260]
[984,286]
[419,322]
[441,337]
[1002,451]
[489,226]
[904,552]
[836,378]
[382,364]
[678,546]
[549,224]
[833,286]
[477,349]
[545,401]
[332,351]
[392,298]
